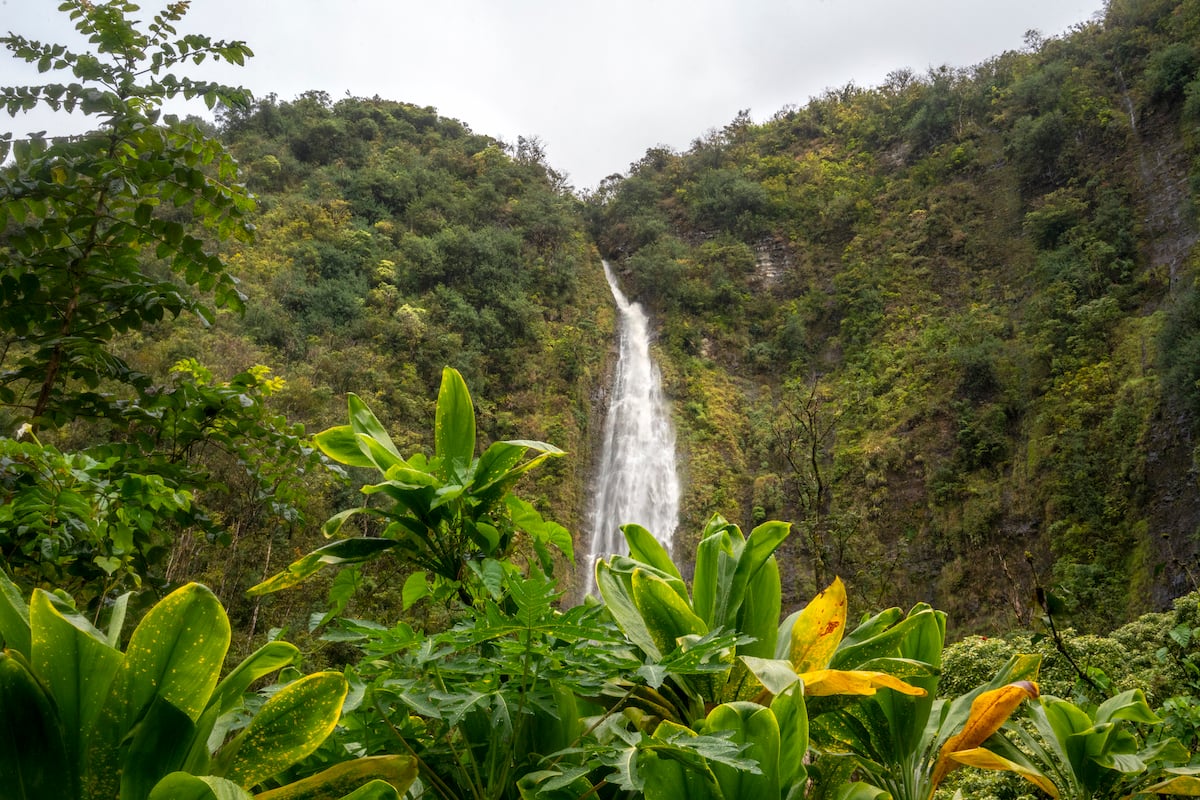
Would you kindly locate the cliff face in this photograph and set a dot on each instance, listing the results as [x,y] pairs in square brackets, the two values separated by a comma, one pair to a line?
[947,326]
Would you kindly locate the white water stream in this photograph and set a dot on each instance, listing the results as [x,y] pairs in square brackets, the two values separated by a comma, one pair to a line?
[636,481]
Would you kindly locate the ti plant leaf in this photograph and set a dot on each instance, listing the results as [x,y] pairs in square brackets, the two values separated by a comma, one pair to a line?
[290,726]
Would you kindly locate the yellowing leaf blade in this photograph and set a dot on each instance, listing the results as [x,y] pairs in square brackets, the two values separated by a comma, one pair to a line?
[982,758]
[818,629]
[988,712]
[824,682]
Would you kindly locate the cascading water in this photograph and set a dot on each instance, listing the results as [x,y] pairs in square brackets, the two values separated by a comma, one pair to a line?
[636,481]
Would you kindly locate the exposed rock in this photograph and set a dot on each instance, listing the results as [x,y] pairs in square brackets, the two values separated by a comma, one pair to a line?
[772,260]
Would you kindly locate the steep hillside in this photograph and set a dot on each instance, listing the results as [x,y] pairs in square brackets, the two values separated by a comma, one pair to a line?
[948,325]
[392,242]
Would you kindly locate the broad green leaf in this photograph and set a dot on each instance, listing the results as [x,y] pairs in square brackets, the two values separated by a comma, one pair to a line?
[182,786]
[1129,705]
[818,629]
[34,764]
[792,715]
[382,456]
[157,745]
[756,728]
[669,773]
[365,423]
[759,614]
[14,617]
[341,444]
[416,587]
[753,555]
[454,422]
[289,726]
[343,551]
[878,637]
[617,591]
[216,720]
[706,575]
[75,662]
[175,653]
[907,715]
[495,464]
[372,775]
[645,546]
[668,617]
[776,675]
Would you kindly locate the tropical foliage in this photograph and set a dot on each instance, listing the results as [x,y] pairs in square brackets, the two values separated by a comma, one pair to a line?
[82,718]
[946,327]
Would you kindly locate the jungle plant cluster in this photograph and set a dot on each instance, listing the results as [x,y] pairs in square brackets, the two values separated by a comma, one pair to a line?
[659,688]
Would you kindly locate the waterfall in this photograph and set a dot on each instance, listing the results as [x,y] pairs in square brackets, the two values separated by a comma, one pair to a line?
[636,479]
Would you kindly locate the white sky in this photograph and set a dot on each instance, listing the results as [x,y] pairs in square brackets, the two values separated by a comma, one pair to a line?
[598,81]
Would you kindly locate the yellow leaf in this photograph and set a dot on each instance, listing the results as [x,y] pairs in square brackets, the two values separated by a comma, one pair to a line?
[1184,785]
[823,682]
[988,712]
[985,759]
[818,630]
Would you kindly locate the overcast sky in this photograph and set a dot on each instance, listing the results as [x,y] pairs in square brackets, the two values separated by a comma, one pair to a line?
[598,81]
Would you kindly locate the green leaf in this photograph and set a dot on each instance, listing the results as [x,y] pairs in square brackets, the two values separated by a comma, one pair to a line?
[343,551]
[668,617]
[157,745]
[341,444]
[370,778]
[775,674]
[495,464]
[1129,705]
[454,424]
[759,614]
[217,718]
[756,728]
[182,786]
[752,557]
[416,587]
[365,423]
[14,617]
[716,544]
[290,726]
[617,592]
[644,546]
[33,757]
[792,715]
[175,653]
[76,663]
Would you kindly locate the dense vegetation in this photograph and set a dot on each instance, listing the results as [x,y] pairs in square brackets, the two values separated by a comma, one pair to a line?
[947,324]
[954,315]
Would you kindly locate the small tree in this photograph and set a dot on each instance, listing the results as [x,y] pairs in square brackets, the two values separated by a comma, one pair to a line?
[103,233]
